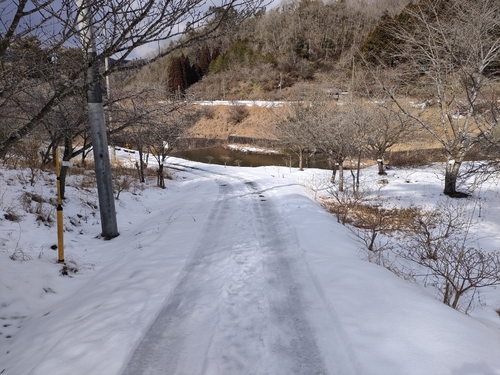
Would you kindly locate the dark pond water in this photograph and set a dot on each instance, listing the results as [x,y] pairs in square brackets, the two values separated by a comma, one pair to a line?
[216,155]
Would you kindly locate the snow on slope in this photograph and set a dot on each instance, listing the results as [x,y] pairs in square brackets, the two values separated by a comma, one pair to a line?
[92,322]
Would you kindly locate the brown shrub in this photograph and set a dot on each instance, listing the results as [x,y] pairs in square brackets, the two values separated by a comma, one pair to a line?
[237,113]
[413,158]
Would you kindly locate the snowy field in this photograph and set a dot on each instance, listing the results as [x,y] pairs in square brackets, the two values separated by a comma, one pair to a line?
[228,271]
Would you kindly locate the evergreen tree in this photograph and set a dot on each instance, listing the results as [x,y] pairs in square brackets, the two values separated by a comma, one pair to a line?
[204,59]
[176,77]
[188,73]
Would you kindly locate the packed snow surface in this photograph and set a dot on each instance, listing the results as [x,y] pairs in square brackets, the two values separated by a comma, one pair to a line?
[228,271]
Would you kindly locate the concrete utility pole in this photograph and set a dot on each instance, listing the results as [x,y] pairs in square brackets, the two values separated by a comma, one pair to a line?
[98,126]
[108,93]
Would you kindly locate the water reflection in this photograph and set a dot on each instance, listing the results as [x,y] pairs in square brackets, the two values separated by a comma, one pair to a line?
[222,155]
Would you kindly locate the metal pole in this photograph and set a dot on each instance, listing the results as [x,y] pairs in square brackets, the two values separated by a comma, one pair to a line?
[60,228]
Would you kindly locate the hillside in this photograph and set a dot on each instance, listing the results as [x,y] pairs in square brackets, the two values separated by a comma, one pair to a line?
[221,121]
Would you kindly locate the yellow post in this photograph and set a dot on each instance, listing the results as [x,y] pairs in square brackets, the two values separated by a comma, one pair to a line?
[60,229]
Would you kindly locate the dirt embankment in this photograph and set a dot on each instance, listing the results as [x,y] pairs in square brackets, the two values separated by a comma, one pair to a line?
[222,121]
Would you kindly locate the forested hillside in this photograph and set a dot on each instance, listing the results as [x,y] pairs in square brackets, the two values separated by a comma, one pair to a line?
[268,55]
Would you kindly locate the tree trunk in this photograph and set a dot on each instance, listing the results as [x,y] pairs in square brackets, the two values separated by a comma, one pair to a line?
[301,157]
[372,240]
[451,176]
[358,170]
[141,167]
[380,163]
[68,150]
[355,193]
[341,177]
[161,179]
[334,173]
[48,155]
[446,295]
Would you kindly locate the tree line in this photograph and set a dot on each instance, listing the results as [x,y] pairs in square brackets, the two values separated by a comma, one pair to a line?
[436,65]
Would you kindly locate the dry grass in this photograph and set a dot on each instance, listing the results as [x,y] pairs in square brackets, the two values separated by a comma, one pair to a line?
[218,123]
[237,113]
[413,157]
[10,215]
[43,209]
[365,215]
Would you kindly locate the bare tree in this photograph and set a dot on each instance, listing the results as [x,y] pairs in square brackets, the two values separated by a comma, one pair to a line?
[225,159]
[453,44]
[167,122]
[387,127]
[295,129]
[334,134]
[129,24]
[165,137]
[144,120]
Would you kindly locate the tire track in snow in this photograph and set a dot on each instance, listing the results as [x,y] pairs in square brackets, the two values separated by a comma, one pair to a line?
[214,320]
[161,349]
[291,338]
[306,334]
[240,306]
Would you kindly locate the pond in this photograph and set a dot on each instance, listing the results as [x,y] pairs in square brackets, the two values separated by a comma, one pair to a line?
[221,155]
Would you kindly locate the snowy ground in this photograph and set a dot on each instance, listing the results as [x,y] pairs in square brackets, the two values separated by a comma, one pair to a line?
[228,271]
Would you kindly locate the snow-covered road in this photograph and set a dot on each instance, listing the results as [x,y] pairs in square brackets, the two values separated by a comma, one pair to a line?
[245,301]
[232,271]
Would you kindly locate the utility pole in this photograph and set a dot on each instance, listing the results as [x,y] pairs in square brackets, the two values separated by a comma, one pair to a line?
[108,94]
[97,125]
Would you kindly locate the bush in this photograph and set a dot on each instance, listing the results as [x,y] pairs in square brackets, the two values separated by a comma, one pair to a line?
[237,113]
[413,158]
[439,240]
[12,216]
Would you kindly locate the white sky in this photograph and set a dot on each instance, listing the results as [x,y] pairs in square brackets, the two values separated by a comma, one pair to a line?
[246,273]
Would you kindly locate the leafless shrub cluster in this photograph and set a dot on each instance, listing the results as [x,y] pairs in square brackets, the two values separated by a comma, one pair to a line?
[237,113]
[20,255]
[344,203]
[368,219]
[123,180]
[83,181]
[411,158]
[440,241]
[26,154]
[11,215]
[37,205]
[374,220]
[207,112]
[316,183]
[72,267]
[434,246]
